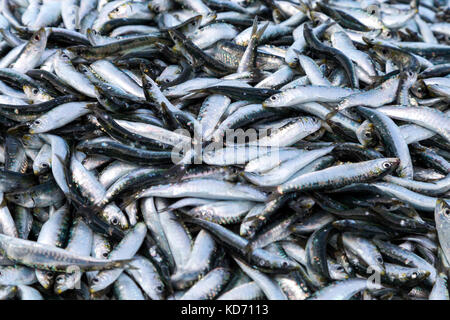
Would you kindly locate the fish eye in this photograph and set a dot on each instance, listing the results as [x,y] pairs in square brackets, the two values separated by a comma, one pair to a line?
[414,275]
[262,263]
[372,10]
[388,34]
[367,134]
[60,279]
[44,165]
[447,211]
[384,51]
[37,122]
[386,165]
[35,91]
[273,98]
[380,259]
[49,274]
[114,221]
[105,254]
[284,264]
[95,280]
[167,80]
[36,37]
[16,196]
[198,214]
[159,288]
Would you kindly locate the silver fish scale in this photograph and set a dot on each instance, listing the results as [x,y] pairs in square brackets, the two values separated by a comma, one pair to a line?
[224,149]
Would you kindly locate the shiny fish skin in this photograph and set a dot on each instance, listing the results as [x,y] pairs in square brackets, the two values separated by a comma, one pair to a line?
[365,250]
[178,238]
[200,261]
[80,242]
[441,214]
[202,188]
[224,150]
[126,249]
[325,178]
[267,285]
[65,70]
[259,257]
[247,291]
[392,138]
[409,258]
[146,275]
[32,52]
[286,169]
[126,289]
[304,94]
[209,286]
[13,249]
[429,118]
[53,232]
[343,290]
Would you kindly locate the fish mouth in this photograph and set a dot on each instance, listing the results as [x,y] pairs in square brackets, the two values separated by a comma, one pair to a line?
[395,163]
[440,204]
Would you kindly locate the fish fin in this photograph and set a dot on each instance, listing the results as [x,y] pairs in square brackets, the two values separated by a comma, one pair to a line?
[71,195]
[261,30]
[254,27]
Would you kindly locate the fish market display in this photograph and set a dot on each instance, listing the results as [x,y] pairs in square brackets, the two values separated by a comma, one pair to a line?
[224,149]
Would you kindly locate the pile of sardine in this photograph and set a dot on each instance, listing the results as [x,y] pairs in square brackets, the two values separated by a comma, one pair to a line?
[225,149]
